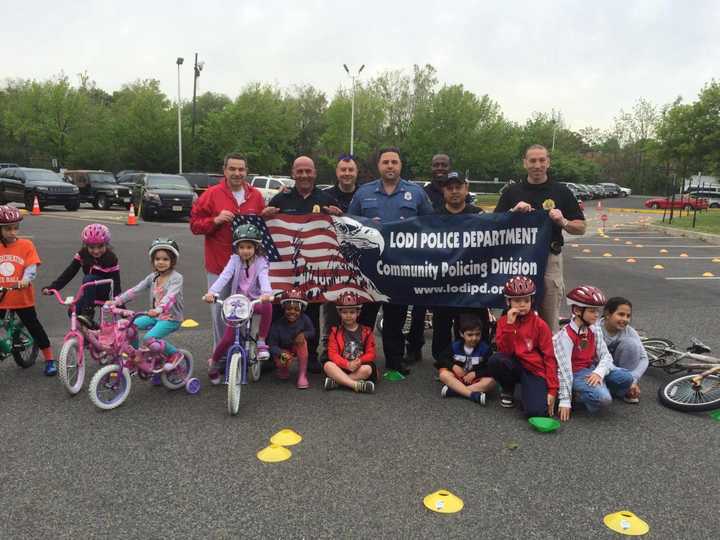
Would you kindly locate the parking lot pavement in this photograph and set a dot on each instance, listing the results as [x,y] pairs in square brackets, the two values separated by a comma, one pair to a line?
[167,464]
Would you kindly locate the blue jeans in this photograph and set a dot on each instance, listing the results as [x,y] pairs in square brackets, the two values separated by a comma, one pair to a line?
[158,330]
[617,383]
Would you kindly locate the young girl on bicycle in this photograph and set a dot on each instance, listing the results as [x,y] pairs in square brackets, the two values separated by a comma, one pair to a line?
[97,261]
[248,269]
[624,343]
[18,267]
[165,285]
[289,336]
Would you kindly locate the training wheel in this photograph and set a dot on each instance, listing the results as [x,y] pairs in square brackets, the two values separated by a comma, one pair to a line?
[192,386]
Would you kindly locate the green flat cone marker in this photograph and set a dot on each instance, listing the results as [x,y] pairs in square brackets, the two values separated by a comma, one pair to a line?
[715,415]
[392,375]
[544,424]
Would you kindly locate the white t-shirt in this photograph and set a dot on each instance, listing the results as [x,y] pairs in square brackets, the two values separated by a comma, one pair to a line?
[239,196]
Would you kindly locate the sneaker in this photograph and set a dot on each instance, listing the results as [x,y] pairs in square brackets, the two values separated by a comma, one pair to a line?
[631,400]
[447,392]
[213,372]
[478,397]
[50,369]
[172,361]
[364,387]
[507,401]
[263,352]
[329,384]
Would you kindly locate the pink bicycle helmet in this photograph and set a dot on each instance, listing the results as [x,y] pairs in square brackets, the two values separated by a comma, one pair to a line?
[586,296]
[519,286]
[95,233]
[9,215]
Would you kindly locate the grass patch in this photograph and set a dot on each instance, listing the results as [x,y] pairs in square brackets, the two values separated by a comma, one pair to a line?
[487,199]
[707,221]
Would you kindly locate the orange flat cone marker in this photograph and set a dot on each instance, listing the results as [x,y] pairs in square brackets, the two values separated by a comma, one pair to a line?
[132,218]
[631,260]
[658,267]
[683,254]
[628,242]
[708,274]
[663,250]
[599,206]
[36,207]
[639,245]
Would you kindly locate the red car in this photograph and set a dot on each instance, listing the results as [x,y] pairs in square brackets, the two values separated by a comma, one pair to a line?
[685,202]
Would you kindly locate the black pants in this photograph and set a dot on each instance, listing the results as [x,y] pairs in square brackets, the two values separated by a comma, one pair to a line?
[508,371]
[313,312]
[330,317]
[28,316]
[416,336]
[446,326]
[392,337]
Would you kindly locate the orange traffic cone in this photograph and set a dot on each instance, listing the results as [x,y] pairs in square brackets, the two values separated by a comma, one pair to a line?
[599,206]
[132,218]
[36,207]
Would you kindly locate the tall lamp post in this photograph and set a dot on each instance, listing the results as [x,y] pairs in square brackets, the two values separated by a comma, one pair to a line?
[179,63]
[555,126]
[198,68]
[352,104]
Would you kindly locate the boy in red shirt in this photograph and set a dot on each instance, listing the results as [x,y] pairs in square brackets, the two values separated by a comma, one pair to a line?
[525,352]
[351,350]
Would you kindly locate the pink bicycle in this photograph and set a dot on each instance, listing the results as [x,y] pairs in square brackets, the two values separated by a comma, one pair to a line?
[110,386]
[99,343]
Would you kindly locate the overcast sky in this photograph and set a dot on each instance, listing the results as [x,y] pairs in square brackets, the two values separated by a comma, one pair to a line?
[585,59]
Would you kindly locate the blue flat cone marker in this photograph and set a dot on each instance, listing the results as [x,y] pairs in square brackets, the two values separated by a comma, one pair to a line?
[625,522]
[443,502]
[190,323]
[393,375]
[286,437]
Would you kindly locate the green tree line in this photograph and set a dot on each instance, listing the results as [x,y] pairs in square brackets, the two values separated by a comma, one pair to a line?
[83,126]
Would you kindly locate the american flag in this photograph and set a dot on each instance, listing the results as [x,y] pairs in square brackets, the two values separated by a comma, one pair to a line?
[304,252]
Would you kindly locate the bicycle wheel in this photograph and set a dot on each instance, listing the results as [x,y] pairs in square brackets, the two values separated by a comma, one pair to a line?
[658,355]
[254,364]
[234,383]
[177,378]
[109,387]
[682,395]
[71,366]
[24,348]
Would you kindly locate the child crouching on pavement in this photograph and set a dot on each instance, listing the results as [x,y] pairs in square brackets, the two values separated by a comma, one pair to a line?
[525,352]
[351,350]
[585,367]
[463,367]
[289,335]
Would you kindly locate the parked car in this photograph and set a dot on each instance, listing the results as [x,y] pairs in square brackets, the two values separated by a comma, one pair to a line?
[23,184]
[585,192]
[8,165]
[201,181]
[681,201]
[99,188]
[160,195]
[270,186]
[714,190]
[120,174]
[714,202]
[625,191]
[613,190]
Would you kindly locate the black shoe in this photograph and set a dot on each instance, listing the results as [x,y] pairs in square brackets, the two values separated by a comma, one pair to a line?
[314,366]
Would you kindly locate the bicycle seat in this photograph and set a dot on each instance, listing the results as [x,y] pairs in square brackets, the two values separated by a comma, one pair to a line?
[698,347]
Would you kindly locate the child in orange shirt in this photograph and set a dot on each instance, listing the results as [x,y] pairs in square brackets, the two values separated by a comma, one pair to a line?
[18,267]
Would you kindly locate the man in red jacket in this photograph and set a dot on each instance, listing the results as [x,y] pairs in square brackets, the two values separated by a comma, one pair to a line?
[212,216]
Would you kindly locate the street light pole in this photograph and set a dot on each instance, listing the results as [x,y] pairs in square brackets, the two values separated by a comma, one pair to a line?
[198,68]
[179,63]
[555,126]
[352,105]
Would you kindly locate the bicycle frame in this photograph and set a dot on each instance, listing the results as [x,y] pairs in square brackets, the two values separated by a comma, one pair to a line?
[242,336]
[702,361]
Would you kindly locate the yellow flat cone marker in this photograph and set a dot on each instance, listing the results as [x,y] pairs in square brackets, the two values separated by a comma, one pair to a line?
[631,260]
[607,254]
[190,323]
[639,245]
[716,260]
[444,502]
[274,454]
[683,254]
[286,437]
[708,274]
[586,250]
[658,267]
[663,250]
[625,522]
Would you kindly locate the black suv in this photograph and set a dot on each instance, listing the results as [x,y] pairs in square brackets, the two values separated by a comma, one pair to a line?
[23,184]
[160,195]
[201,181]
[99,188]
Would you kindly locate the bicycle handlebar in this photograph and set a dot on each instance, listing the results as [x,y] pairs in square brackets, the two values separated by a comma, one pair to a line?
[81,291]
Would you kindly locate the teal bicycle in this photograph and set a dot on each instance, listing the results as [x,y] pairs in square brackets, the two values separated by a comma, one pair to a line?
[15,340]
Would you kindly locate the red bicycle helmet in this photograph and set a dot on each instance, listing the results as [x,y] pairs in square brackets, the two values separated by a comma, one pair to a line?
[9,215]
[293,295]
[519,286]
[347,300]
[95,233]
[586,296]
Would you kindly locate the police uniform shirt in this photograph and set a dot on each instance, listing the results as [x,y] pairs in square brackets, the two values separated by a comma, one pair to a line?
[408,200]
[545,196]
[291,202]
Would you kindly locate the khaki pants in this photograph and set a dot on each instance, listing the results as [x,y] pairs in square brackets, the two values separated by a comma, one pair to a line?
[549,308]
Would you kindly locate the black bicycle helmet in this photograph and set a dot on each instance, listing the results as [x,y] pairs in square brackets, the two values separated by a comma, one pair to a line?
[246,233]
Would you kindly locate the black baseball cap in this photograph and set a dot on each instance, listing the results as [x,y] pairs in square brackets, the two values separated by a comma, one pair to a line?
[452,177]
